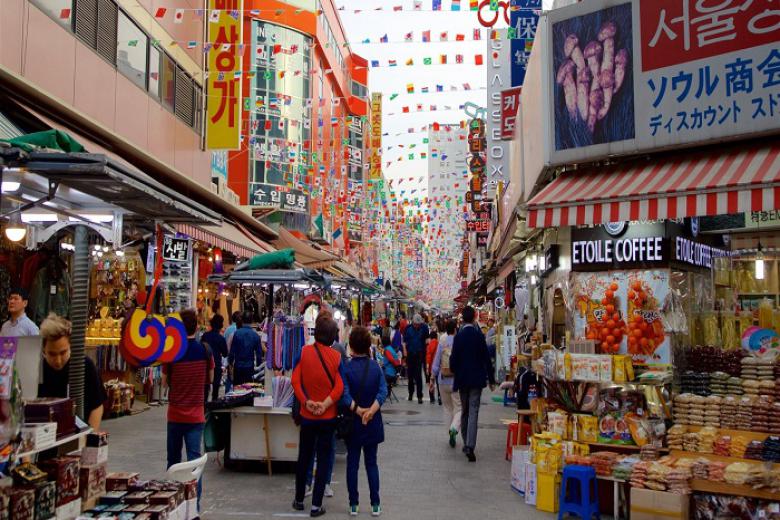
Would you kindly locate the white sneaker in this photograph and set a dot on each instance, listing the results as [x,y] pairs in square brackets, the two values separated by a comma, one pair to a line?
[309,491]
[328,491]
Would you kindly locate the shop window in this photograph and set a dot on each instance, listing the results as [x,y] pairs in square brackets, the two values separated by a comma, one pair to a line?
[131,51]
[167,82]
[154,72]
[61,11]
[184,101]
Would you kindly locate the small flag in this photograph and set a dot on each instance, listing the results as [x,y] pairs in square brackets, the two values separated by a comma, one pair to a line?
[426,36]
[214,16]
[392,63]
[178,16]
[383,39]
[459,58]
[409,37]
[398,8]
[418,5]
[410,88]
[443,59]
[456,5]
[132,43]
[334,121]
[436,5]
[474,5]
[192,44]
[439,88]
[65,14]
[466,86]
[281,124]
[443,36]
[160,13]
[404,110]
[267,124]
[477,34]
[478,60]
[424,90]
[393,96]
[410,62]
[427,61]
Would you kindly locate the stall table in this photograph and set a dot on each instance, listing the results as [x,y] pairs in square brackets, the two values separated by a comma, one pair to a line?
[261,434]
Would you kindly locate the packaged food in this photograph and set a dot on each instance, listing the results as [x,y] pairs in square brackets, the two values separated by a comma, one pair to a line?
[639,428]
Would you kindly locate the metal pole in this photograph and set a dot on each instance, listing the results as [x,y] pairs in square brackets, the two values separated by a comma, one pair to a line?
[79,306]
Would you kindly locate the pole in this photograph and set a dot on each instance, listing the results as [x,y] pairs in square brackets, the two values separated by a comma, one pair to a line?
[79,306]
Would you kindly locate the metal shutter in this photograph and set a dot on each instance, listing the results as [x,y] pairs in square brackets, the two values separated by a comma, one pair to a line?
[86,21]
[184,106]
[106,30]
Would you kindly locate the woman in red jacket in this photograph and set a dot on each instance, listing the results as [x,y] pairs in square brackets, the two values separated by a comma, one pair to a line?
[430,354]
[318,386]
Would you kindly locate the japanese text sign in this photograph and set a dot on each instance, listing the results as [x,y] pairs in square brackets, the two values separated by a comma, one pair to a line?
[176,249]
[628,77]
[510,103]
[279,197]
[223,83]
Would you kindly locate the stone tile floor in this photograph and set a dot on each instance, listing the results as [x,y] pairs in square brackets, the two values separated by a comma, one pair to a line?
[421,476]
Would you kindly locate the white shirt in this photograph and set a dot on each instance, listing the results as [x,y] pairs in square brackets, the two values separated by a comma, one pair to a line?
[24,326]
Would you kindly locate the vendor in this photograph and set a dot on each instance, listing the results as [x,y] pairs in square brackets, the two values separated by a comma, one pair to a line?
[56,370]
[18,324]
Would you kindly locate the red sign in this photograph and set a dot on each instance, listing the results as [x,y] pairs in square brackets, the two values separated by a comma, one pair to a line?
[510,103]
[679,31]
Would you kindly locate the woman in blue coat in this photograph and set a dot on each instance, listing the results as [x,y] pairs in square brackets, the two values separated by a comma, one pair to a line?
[365,390]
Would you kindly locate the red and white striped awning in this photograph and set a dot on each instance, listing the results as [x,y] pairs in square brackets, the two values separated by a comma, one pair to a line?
[716,182]
[228,237]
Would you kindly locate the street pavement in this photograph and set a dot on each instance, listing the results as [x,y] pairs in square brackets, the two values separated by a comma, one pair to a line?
[421,476]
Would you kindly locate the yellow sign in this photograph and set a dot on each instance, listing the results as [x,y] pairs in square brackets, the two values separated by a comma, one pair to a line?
[223,123]
[375,171]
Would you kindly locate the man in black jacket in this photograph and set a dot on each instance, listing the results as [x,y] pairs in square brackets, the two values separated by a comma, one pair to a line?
[414,353]
[470,363]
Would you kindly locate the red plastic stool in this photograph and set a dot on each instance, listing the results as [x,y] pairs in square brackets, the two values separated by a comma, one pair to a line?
[525,433]
[512,433]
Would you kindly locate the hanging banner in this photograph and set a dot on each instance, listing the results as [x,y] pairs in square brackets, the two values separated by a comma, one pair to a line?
[223,83]
[375,171]
[627,77]
[498,79]
[524,17]
[510,104]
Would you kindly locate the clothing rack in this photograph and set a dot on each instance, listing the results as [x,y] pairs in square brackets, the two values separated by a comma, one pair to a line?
[286,338]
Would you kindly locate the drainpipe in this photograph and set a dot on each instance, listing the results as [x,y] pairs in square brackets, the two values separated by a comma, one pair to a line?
[79,305]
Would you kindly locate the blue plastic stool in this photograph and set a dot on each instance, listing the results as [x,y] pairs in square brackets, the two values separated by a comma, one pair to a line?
[579,493]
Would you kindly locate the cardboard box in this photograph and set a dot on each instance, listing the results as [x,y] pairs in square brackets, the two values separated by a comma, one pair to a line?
[647,504]
[530,484]
[92,456]
[520,457]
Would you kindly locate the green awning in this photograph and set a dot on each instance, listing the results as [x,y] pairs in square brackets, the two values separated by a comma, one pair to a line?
[52,139]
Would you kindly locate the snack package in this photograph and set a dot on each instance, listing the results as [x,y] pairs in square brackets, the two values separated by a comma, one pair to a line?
[640,429]
[605,325]
[605,368]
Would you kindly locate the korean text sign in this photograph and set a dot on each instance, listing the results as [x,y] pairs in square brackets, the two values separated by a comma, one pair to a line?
[279,197]
[625,77]
[510,104]
[223,121]
[375,172]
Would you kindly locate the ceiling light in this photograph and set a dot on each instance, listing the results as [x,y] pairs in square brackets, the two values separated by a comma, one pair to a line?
[11,186]
[760,272]
[15,231]
[39,217]
[96,218]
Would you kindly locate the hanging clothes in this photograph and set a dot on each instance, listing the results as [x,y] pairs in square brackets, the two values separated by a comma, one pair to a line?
[286,338]
[51,291]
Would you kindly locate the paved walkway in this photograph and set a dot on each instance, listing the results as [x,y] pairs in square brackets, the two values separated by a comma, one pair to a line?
[421,476]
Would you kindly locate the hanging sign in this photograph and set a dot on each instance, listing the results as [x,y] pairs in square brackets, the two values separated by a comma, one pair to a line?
[279,197]
[223,82]
[510,104]
[176,249]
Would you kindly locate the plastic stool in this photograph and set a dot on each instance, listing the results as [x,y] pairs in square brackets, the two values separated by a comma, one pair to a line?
[579,492]
[512,433]
[525,433]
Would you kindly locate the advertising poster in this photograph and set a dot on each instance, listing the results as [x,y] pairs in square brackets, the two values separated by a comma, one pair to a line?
[630,76]
[223,83]
[621,311]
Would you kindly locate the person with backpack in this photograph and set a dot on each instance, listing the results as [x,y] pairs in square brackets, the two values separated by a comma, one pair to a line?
[415,337]
[443,374]
[365,392]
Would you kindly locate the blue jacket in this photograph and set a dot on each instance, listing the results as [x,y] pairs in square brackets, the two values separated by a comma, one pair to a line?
[246,351]
[470,361]
[415,338]
[375,389]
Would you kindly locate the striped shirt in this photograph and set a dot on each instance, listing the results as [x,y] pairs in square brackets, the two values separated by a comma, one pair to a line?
[187,379]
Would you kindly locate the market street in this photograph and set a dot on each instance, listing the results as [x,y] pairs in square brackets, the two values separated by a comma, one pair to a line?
[420,474]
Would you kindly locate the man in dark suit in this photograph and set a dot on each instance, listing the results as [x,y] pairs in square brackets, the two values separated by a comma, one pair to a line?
[470,363]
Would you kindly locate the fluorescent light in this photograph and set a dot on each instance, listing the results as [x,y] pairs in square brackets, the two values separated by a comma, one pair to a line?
[97,218]
[11,186]
[39,217]
[542,263]
[301,286]
[760,269]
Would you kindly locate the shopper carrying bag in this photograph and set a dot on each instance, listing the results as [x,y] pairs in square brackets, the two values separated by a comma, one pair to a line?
[365,391]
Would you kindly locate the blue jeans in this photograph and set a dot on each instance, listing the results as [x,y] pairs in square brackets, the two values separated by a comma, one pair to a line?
[191,435]
[372,471]
[310,475]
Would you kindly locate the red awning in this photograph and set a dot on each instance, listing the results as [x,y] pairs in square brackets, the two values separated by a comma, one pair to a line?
[227,236]
[718,181]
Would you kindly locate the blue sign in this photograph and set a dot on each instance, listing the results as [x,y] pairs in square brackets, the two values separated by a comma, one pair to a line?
[524,18]
[219,161]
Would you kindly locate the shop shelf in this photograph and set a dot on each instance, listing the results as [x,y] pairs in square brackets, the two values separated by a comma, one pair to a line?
[59,442]
[749,435]
[711,456]
[722,488]
[619,447]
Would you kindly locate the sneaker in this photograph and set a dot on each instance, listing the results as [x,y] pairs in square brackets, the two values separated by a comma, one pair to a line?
[453,437]
[410,397]
[328,491]
[317,512]
[376,510]
[465,449]
[470,455]
[419,401]
[354,510]
[298,506]
[309,491]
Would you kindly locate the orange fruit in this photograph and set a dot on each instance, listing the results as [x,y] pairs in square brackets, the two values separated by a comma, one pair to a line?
[613,286]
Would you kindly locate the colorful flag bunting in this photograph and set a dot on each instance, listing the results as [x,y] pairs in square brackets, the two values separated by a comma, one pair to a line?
[436,5]
[383,39]
[426,36]
[478,59]
[443,36]
[477,34]
[443,59]
[456,5]
[64,14]
[409,37]
[160,13]
[410,62]
[178,16]
[427,61]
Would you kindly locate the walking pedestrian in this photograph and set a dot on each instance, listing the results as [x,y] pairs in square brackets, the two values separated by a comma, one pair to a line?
[414,352]
[365,392]
[246,352]
[430,352]
[215,341]
[318,386]
[236,323]
[470,364]
[442,371]
[186,380]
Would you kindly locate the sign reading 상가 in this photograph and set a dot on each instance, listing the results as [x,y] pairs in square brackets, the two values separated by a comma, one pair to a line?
[223,83]
[661,73]
[279,197]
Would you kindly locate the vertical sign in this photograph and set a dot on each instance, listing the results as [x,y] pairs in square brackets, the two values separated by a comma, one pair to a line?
[375,172]
[498,79]
[223,83]
[524,18]
[510,103]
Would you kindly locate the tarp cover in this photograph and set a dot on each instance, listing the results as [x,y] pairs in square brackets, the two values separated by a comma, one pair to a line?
[282,259]
[52,139]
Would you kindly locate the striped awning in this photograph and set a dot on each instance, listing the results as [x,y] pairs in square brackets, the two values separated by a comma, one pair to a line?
[227,236]
[718,181]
